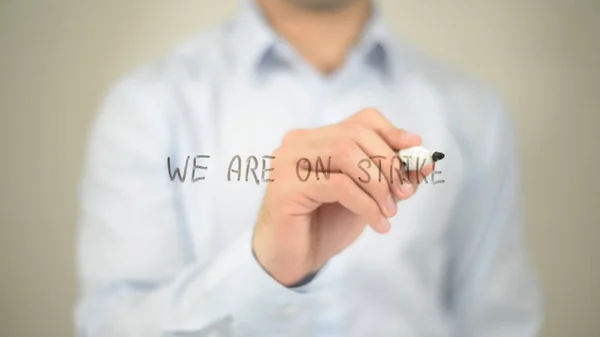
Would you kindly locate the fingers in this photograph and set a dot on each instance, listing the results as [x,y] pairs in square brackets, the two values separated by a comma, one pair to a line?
[378,152]
[360,151]
[391,138]
[347,158]
[414,179]
[373,119]
[366,176]
[341,188]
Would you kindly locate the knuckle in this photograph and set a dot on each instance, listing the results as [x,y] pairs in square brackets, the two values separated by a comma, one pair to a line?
[279,152]
[293,136]
[379,190]
[344,147]
[283,157]
[344,184]
[370,112]
[355,129]
[286,208]
[382,192]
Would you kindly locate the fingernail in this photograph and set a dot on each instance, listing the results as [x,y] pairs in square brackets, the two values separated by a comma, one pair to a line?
[397,192]
[406,188]
[385,224]
[390,205]
[399,187]
[411,137]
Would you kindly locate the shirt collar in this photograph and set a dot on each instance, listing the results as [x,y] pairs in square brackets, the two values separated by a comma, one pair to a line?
[255,41]
[376,43]
[253,38]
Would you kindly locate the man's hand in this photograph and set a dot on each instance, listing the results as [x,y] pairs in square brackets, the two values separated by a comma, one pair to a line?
[302,224]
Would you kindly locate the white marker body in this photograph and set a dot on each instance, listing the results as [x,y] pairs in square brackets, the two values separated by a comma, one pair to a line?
[415,156]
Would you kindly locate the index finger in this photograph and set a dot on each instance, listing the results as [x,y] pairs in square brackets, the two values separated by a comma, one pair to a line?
[373,119]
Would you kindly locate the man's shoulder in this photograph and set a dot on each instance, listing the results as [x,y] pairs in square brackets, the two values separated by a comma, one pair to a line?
[473,111]
[192,58]
[448,81]
[158,90]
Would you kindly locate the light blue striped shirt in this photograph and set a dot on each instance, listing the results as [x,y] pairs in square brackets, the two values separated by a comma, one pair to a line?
[161,257]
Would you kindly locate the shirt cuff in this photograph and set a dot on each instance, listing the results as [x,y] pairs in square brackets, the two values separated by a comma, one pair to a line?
[236,287]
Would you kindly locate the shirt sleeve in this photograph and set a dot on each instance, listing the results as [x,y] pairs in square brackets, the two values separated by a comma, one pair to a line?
[494,290]
[136,274]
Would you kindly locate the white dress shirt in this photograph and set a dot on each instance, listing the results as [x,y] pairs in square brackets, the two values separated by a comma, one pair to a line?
[161,257]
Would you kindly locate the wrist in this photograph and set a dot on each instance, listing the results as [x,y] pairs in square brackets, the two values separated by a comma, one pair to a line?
[277,263]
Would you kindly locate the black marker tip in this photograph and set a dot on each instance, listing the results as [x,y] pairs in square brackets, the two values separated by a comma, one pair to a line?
[437,156]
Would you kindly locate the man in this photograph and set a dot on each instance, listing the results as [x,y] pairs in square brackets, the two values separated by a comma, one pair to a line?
[179,236]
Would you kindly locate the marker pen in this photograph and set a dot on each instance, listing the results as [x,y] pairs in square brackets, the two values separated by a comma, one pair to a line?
[413,157]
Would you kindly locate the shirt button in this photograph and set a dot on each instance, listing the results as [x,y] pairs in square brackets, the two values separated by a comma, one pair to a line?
[290,310]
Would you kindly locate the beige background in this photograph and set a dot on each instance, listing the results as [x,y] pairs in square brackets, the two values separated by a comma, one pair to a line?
[57,58]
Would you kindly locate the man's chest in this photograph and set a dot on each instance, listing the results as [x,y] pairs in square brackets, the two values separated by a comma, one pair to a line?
[247,125]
